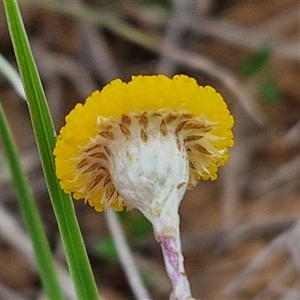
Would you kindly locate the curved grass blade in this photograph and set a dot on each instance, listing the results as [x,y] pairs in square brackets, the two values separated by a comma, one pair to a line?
[76,255]
[30,214]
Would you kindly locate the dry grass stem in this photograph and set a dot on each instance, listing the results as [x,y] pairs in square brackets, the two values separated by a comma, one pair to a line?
[126,257]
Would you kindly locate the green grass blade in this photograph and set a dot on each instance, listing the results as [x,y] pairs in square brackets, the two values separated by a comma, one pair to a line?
[45,135]
[30,215]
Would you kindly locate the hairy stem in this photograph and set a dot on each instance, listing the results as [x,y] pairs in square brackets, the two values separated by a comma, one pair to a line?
[169,239]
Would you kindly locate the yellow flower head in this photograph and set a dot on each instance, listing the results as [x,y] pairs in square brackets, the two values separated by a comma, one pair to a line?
[131,140]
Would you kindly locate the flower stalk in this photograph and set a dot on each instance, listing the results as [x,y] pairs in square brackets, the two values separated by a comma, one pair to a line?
[141,145]
[173,258]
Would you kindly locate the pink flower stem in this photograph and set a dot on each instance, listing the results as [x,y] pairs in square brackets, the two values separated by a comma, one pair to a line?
[173,258]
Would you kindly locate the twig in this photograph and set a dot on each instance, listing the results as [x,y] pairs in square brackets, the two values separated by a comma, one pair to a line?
[276,194]
[222,30]
[292,293]
[8,294]
[292,136]
[204,64]
[125,255]
[231,193]
[54,91]
[276,25]
[56,64]
[175,28]
[109,21]
[286,173]
[293,246]
[13,234]
[261,260]
[276,286]
[232,33]
[251,231]
[95,51]
[224,238]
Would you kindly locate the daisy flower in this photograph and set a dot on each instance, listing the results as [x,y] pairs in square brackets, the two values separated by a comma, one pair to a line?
[140,145]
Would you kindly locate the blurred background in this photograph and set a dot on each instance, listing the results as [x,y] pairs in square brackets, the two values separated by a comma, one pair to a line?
[240,233]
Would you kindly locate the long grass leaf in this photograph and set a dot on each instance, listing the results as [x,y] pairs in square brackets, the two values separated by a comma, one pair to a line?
[30,214]
[45,136]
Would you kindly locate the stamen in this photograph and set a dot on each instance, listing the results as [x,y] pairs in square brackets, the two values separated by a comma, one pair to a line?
[83,163]
[198,126]
[109,191]
[126,120]
[95,181]
[180,185]
[107,135]
[178,144]
[92,167]
[107,180]
[144,136]
[193,138]
[163,128]
[125,131]
[99,155]
[170,118]
[201,149]
[93,148]
[107,151]
[180,127]
[143,120]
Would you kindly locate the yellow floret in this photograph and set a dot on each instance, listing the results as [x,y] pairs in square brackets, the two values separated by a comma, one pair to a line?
[142,94]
